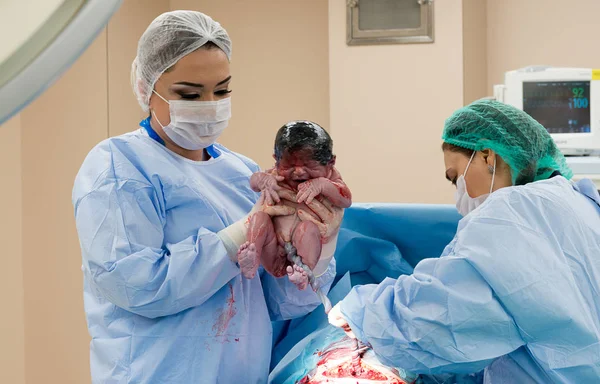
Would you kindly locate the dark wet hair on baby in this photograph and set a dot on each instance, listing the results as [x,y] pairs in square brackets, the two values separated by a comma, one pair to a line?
[303,135]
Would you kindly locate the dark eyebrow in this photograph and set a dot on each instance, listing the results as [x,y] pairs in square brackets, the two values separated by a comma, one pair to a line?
[198,85]
[224,81]
[190,84]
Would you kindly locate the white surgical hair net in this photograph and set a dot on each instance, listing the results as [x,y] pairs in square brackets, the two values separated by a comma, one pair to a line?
[170,37]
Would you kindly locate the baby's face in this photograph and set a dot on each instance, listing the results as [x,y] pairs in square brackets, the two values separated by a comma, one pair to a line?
[299,166]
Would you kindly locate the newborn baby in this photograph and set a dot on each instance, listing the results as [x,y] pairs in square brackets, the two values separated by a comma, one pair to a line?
[305,178]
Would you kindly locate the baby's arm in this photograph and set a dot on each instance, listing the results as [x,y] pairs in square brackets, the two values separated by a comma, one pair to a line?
[333,188]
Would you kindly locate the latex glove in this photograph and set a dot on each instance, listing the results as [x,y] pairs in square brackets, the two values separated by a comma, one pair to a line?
[330,215]
[310,189]
[327,252]
[268,185]
[262,205]
[235,235]
[336,319]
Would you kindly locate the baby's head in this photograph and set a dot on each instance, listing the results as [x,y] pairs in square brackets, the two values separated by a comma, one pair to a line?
[303,151]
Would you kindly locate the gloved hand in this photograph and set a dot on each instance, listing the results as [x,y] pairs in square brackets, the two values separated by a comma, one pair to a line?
[330,215]
[327,253]
[235,235]
[337,320]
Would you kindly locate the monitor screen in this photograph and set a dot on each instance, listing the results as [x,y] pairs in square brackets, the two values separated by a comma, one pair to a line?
[560,106]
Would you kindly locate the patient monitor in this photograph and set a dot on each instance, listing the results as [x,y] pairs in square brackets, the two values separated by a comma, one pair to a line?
[566,101]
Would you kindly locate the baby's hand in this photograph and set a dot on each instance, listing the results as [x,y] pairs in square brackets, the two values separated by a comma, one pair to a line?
[310,189]
[268,184]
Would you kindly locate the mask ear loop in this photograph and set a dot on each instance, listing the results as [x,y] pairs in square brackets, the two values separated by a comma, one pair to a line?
[469,164]
[493,170]
[152,111]
[157,94]
[156,118]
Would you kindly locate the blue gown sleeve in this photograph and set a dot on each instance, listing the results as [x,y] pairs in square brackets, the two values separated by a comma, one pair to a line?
[285,301]
[444,318]
[120,225]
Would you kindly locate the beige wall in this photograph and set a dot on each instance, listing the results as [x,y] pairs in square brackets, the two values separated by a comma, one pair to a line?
[474,50]
[541,32]
[124,31]
[279,67]
[388,105]
[12,321]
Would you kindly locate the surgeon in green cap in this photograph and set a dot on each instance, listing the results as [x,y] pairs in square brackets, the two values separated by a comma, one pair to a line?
[517,291]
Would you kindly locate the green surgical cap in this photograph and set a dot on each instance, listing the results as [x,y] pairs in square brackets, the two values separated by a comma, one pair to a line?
[523,143]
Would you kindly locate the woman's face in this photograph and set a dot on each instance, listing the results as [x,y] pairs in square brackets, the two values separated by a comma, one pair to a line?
[203,75]
[478,177]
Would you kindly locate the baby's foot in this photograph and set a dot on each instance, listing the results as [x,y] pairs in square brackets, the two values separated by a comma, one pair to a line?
[248,260]
[298,277]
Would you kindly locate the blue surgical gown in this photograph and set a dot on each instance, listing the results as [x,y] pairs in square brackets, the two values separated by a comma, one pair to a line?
[516,291]
[164,302]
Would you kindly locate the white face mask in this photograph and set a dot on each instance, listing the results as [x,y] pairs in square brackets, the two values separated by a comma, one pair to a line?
[465,203]
[196,124]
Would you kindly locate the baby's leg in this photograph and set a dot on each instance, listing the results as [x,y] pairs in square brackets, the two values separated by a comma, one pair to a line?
[275,263]
[307,241]
[261,243]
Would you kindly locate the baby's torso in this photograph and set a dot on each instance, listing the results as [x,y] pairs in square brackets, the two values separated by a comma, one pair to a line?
[285,225]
